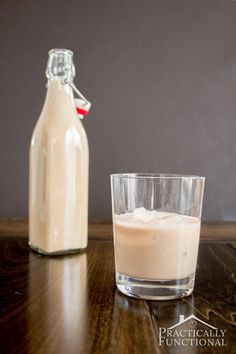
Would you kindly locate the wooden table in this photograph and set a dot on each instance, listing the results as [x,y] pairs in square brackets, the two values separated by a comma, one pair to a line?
[71,305]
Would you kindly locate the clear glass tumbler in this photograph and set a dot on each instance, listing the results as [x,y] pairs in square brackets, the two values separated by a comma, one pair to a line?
[156,226]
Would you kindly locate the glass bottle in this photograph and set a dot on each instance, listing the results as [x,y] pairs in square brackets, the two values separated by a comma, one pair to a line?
[59,159]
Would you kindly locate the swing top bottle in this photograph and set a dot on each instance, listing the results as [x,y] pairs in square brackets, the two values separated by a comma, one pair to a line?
[59,158]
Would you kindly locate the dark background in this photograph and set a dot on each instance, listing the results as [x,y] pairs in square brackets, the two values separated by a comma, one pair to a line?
[162,79]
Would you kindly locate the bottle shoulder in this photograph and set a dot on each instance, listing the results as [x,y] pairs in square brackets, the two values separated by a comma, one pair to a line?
[68,131]
[58,120]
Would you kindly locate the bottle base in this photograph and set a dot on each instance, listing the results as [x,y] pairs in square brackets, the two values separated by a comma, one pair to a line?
[56,253]
[155,289]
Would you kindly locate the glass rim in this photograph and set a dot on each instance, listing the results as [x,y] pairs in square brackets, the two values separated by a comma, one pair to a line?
[60,51]
[155,176]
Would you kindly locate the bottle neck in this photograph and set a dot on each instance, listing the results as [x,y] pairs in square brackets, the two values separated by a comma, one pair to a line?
[60,65]
[60,73]
[60,90]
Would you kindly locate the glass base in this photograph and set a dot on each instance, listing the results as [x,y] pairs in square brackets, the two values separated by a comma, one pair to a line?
[155,289]
[56,253]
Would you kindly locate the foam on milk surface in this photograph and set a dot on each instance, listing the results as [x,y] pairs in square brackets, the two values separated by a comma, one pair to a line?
[145,215]
[149,217]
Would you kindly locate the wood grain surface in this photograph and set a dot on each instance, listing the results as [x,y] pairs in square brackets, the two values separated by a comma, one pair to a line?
[217,231]
[70,304]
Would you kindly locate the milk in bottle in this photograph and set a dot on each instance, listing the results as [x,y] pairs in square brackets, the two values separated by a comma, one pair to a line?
[59,159]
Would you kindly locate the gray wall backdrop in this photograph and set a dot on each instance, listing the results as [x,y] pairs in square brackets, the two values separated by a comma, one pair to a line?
[162,79]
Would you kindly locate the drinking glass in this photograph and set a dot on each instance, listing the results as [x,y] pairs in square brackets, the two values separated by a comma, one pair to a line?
[156,227]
